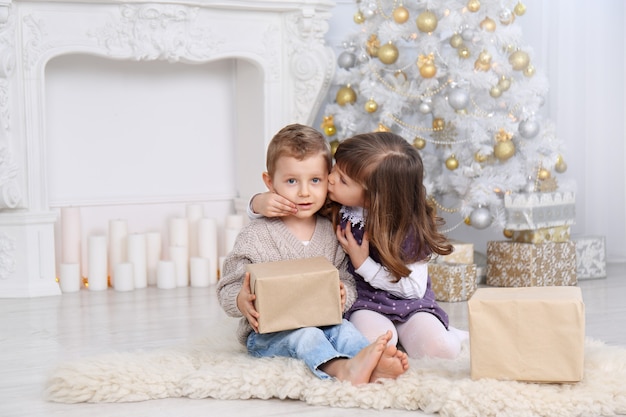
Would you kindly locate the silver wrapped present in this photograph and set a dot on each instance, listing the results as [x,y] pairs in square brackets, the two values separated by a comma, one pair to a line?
[590,257]
[539,210]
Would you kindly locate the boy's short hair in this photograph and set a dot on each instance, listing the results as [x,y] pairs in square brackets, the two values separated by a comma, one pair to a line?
[298,141]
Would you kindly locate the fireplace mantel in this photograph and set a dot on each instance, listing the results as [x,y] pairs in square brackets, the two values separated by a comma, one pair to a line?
[284,39]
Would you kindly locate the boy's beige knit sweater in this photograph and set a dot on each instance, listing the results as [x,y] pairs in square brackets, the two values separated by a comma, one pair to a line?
[268,240]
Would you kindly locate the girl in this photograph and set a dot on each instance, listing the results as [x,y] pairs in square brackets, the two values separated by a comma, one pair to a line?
[389,231]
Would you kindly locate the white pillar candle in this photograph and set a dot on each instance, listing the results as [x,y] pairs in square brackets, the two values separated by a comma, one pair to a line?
[137,256]
[69,277]
[118,231]
[207,244]
[230,235]
[199,272]
[70,235]
[153,255]
[166,275]
[124,280]
[194,214]
[180,256]
[97,259]
[179,232]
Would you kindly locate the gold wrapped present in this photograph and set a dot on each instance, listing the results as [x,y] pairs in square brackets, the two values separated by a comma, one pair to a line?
[545,234]
[463,253]
[452,282]
[296,293]
[515,264]
[527,334]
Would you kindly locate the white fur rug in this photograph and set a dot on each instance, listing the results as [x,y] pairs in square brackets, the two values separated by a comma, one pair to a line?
[218,367]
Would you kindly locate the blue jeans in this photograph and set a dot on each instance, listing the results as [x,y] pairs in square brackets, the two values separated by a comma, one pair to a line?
[314,345]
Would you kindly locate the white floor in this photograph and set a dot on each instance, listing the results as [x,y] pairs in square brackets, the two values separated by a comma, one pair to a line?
[37,333]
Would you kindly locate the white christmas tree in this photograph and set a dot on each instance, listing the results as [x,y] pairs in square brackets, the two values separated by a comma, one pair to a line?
[454,78]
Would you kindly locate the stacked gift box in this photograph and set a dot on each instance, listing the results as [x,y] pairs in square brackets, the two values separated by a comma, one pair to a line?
[453,276]
[540,252]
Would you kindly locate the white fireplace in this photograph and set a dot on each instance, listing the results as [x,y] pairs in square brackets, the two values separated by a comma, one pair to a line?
[137,64]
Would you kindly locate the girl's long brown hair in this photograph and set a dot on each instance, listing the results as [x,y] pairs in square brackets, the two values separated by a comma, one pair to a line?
[391,172]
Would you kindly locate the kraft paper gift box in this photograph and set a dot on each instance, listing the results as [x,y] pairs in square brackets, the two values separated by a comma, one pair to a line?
[452,282]
[531,211]
[296,293]
[590,257]
[515,264]
[533,334]
[463,253]
[545,234]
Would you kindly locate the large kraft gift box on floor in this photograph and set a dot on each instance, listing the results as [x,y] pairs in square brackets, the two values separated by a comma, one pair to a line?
[516,264]
[533,334]
[296,293]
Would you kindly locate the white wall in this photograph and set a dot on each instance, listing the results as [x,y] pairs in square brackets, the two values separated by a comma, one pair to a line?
[581,48]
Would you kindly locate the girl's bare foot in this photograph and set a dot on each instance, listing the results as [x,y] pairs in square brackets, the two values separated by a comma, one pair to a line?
[392,363]
[359,369]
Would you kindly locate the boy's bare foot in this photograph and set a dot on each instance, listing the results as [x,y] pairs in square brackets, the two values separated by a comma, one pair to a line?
[392,364]
[358,369]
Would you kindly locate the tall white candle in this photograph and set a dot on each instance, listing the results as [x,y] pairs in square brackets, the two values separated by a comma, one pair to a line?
[137,257]
[207,245]
[124,280]
[230,235]
[180,257]
[70,235]
[118,231]
[153,255]
[194,214]
[199,272]
[179,231]
[97,259]
[166,275]
[69,277]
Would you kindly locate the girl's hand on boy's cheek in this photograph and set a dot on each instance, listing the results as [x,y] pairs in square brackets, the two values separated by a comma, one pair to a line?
[270,204]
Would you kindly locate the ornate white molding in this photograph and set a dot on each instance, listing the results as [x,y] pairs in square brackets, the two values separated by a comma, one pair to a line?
[7,256]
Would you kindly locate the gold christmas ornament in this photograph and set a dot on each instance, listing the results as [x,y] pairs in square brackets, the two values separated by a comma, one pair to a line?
[333,146]
[467,221]
[504,83]
[483,63]
[426,21]
[456,40]
[495,91]
[452,163]
[519,9]
[529,71]
[328,125]
[504,148]
[463,52]
[473,6]
[543,174]
[478,157]
[519,60]
[359,17]
[400,14]
[560,165]
[372,45]
[506,17]
[345,95]
[382,128]
[438,124]
[388,53]
[419,143]
[488,24]
[507,233]
[371,106]
[426,65]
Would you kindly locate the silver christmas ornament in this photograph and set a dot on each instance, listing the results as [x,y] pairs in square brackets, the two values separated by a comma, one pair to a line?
[528,128]
[467,34]
[425,107]
[458,98]
[346,60]
[480,218]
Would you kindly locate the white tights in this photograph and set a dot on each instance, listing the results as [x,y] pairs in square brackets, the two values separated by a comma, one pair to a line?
[422,335]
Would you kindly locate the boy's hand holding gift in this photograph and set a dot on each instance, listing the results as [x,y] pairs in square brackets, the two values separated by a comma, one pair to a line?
[245,303]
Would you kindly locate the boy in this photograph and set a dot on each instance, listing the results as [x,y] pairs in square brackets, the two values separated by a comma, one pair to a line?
[298,164]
